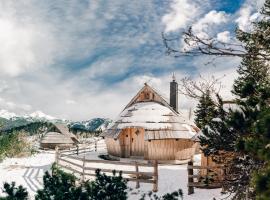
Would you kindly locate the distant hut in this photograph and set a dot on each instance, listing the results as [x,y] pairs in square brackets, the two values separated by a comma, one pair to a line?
[151,128]
[59,136]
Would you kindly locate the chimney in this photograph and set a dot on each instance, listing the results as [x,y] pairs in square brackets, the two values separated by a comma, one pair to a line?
[174,94]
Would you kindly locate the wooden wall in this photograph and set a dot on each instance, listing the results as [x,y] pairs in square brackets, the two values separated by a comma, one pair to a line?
[148,95]
[208,161]
[166,149]
[131,143]
[113,147]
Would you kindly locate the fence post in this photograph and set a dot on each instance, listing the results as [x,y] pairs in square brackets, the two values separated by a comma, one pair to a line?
[137,174]
[77,149]
[190,178]
[83,169]
[155,185]
[95,146]
[56,155]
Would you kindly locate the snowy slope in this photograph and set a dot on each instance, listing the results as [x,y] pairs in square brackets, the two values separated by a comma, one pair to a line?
[29,171]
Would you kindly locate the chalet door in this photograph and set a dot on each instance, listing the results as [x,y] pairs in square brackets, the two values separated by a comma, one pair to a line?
[137,142]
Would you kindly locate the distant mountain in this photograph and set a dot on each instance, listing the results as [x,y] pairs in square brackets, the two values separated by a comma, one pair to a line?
[10,121]
[93,125]
[6,114]
[40,115]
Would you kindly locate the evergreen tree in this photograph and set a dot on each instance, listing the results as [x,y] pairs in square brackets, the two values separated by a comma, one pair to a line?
[205,111]
[216,136]
[245,131]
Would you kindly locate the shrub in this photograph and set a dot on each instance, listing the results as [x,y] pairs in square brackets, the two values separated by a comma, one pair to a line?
[61,186]
[14,193]
[13,144]
[107,187]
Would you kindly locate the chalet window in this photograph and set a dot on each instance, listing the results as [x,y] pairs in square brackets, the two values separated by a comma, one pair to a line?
[137,132]
[147,95]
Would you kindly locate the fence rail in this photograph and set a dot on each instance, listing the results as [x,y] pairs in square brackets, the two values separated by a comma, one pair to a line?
[69,160]
[216,183]
[95,146]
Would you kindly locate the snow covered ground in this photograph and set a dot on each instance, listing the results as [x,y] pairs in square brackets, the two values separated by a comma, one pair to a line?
[26,171]
[29,171]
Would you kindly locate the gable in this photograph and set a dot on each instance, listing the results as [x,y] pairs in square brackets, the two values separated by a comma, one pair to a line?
[148,94]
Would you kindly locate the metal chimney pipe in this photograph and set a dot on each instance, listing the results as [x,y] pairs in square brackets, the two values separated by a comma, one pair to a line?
[174,94]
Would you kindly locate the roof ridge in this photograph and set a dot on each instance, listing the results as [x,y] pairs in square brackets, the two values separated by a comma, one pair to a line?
[164,100]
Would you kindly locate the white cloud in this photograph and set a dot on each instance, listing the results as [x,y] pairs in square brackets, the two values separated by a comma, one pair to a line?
[25,44]
[224,36]
[243,20]
[70,102]
[208,21]
[61,53]
[10,105]
[181,13]
[249,12]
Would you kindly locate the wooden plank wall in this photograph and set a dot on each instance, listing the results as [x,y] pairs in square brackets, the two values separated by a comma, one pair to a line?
[113,146]
[137,141]
[131,144]
[167,148]
[148,95]
[207,161]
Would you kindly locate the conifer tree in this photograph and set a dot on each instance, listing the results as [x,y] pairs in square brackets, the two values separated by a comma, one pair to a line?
[245,131]
[205,110]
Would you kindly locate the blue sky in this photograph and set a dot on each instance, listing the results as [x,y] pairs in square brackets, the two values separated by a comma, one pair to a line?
[84,59]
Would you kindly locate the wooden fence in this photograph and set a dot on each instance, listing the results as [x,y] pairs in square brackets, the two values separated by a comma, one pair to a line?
[95,146]
[68,160]
[203,181]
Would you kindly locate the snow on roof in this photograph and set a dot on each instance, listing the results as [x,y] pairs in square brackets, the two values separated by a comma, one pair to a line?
[62,128]
[159,122]
[56,138]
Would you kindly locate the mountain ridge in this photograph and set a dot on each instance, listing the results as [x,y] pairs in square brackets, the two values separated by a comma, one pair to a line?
[10,120]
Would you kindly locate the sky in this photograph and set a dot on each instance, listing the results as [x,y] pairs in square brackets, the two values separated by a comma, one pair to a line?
[80,59]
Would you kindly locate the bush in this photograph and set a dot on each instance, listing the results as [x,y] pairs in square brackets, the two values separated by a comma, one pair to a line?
[61,186]
[14,193]
[107,187]
[169,196]
[13,144]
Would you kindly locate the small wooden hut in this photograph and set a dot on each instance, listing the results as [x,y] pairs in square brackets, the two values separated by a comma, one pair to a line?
[151,128]
[59,136]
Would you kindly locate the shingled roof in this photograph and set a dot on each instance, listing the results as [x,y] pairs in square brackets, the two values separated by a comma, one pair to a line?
[157,118]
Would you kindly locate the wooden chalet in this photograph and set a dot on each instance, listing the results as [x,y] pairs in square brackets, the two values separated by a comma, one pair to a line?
[60,136]
[151,128]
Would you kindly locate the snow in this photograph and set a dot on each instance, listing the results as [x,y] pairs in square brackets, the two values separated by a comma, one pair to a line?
[29,171]
[217,119]
[153,116]
[37,114]
[26,171]
[41,115]
[6,114]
